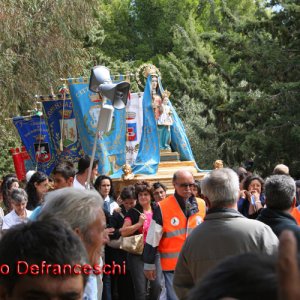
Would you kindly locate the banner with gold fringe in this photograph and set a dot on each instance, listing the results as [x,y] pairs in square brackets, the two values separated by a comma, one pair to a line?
[61,122]
[34,135]
[111,147]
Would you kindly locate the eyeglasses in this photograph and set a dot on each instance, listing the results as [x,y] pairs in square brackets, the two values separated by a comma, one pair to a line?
[185,185]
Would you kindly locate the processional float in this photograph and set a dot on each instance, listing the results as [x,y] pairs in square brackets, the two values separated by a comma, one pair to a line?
[134,136]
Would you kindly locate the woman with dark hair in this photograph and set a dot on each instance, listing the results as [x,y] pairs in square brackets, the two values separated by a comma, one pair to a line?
[36,188]
[10,182]
[159,191]
[121,285]
[252,198]
[137,221]
[104,187]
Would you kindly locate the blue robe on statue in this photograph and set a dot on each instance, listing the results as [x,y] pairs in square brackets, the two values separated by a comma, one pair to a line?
[148,156]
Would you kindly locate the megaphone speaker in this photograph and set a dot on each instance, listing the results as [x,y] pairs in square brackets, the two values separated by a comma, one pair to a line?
[99,75]
[100,82]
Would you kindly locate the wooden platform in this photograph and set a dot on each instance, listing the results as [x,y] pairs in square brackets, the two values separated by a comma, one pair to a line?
[164,175]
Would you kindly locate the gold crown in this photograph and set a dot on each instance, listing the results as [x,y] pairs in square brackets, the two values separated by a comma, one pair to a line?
[145,70]
[150,69]
[166,94]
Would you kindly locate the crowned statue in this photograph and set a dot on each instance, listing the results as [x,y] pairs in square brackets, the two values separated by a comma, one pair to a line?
[164,122]
[163,137]
[162,111]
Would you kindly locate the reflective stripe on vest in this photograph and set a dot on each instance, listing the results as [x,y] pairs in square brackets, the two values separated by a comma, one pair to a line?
[169,255]
[174,233]
[176,227]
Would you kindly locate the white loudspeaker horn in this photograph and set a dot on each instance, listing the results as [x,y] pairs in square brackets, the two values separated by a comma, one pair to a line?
[100,82]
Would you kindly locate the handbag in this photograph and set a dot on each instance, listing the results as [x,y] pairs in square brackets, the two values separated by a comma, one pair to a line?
[133,244]
[116,243]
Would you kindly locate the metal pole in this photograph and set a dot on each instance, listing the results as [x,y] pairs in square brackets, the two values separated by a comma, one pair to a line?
[97,135]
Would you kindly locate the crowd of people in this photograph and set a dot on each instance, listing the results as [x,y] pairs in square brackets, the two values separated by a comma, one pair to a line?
[210,239]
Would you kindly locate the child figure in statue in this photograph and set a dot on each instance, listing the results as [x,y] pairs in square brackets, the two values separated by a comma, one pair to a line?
[218,164]
[164,122]
[127,172]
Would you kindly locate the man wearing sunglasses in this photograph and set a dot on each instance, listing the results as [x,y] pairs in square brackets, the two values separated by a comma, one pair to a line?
[225,232]
[173,220]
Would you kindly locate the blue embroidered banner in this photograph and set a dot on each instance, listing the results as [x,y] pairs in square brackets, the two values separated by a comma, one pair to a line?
[34,135]
[112,146]
[61,122]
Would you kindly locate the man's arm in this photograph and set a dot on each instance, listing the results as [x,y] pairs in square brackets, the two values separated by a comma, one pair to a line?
[269,241]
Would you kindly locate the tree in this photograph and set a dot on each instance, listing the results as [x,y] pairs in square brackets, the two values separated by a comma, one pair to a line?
[141,29]
[243,70]
[41,42]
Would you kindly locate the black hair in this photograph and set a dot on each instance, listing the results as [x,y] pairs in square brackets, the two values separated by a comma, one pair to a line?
[98,182]
[7,182]
[84,163]
[250,178]
[128,192]
[157,185]
[33,197]
[198,187]
[48,240]
[66,169]
[142,186]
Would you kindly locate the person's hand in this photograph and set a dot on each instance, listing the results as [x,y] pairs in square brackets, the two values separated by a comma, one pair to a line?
[150,274]
[142,219]
[117,209]
[119,200]
[243,194]
[247,195]
[255,194]
[287,267]
[107,232]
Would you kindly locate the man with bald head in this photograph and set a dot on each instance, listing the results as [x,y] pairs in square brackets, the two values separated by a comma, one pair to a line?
[225,232]
[174,218]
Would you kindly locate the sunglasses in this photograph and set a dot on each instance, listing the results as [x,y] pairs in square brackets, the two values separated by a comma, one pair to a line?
[185,185]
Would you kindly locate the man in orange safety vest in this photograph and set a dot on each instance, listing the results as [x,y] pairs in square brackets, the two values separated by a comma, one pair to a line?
[174,218]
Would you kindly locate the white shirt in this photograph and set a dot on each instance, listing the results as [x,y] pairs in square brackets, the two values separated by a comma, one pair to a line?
[77,184]
[12,219]
[111,205]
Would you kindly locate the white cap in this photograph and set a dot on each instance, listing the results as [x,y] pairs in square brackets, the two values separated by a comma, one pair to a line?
[29,174]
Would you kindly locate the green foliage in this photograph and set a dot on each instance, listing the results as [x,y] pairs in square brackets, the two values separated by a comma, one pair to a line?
[7,141]
[41,41]
[141,29]
[243,68]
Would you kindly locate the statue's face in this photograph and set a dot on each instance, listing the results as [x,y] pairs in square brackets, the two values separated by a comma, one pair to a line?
[154,82]
[165,100]
[127,169]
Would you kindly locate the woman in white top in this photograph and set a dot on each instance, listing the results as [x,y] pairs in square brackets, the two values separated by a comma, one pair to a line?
[19,213]
[103,185]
